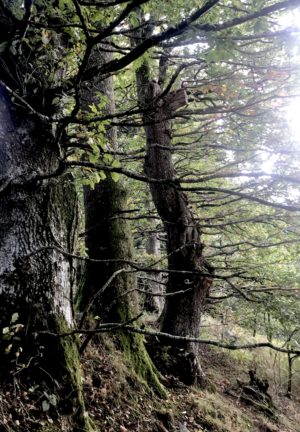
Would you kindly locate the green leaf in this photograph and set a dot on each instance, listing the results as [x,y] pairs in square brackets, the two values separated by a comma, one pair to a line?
[115,176]
[116,163]
[52,399]
[63,4]
[93,108]
[237,3]
[45,405]
[14,318]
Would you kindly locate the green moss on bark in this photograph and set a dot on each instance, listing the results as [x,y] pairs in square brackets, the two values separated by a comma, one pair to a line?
[71,379]
[109,237]
[140,363]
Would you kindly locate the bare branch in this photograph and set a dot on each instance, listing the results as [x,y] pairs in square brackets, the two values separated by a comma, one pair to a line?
[108,327]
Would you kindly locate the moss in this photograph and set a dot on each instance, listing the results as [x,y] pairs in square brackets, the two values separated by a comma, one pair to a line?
[138,359]
[70,399]
[115,304]
[219,415]
[140,363]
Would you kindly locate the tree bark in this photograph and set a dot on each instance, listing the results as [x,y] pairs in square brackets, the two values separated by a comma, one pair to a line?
[36,281]
[290,377]
[108,237]
[153,282]
[291,359]
[182,313]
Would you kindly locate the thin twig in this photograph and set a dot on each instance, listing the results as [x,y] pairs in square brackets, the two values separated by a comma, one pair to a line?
[23,101]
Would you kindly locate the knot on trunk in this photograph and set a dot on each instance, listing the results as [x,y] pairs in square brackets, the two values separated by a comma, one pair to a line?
[169,103]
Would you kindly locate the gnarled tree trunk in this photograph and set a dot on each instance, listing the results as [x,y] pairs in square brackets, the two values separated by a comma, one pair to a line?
[182,313]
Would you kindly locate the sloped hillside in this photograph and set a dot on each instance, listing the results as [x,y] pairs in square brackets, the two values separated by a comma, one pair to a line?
[118,402]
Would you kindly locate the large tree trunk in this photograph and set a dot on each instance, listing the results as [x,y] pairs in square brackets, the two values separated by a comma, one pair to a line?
[36,279]
[182,313]
[188,269]
[108,237]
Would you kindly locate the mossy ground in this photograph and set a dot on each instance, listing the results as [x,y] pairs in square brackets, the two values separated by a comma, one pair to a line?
[117,401]
[139,361]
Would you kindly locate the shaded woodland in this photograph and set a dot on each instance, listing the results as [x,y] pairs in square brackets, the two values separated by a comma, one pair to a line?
[149,203]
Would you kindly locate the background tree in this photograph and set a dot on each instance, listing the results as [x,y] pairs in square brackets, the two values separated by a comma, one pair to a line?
[108,289]
[172,205]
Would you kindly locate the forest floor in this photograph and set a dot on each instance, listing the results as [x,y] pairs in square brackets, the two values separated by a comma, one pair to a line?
[119,403]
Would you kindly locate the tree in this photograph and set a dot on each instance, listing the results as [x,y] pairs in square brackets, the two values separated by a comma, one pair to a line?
[108,288]
[38,217]
[223,104]
[186,263]
[182,313]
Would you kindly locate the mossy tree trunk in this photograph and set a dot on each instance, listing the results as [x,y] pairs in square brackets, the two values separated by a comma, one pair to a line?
[108,238]
[37,215]
[186,263]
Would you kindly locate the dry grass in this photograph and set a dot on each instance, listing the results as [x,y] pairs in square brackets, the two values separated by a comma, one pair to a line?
[269,364]
[117,402]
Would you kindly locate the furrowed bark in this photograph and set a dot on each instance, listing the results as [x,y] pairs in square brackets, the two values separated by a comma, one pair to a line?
[182,314]
[36,288]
